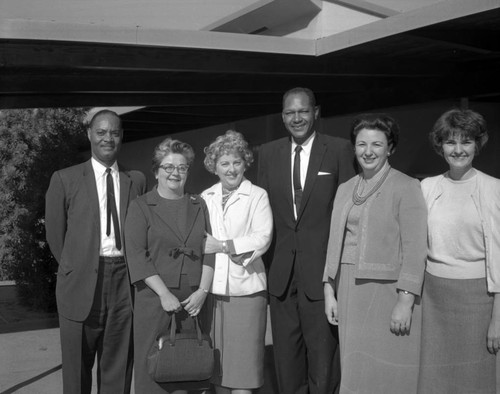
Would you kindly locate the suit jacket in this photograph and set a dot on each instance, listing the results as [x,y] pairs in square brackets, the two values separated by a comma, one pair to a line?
[73,230]
[155,246]
[303,241]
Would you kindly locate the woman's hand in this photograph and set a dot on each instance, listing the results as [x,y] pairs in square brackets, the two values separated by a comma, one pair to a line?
[170,303]
[401,314]
[493,339]
[330,305]
[240,258]
[493,336]
[194,302]
[212,245]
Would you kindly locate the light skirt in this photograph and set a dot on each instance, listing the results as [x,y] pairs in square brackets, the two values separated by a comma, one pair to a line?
[454,358]
[373,360]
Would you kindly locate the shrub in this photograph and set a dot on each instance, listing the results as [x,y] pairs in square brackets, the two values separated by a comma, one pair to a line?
[33,144]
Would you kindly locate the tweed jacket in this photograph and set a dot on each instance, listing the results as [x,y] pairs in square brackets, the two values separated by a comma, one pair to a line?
[392,238]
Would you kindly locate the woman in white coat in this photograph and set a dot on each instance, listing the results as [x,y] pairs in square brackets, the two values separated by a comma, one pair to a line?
[242,224]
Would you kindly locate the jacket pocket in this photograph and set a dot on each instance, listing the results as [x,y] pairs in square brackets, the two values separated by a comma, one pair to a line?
[64,270]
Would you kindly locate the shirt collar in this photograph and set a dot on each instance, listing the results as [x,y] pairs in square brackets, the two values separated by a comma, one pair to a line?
[100,169]
[244,188]
[307,145]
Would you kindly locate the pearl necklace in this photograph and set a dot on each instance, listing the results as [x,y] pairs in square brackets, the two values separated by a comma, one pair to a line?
[357,198]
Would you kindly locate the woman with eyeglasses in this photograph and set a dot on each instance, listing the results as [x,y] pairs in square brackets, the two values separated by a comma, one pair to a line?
[242,226]
[164,236]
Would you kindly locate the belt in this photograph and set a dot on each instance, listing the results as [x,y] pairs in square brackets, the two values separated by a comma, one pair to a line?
[111,259]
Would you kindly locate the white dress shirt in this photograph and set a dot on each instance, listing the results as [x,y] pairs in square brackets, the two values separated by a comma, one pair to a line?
[108,245]
[305,154]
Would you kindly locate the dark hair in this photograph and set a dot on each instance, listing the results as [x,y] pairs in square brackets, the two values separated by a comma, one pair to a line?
[298,90]
[463,123]
[230,142]
[168,146]
[104,112]
[377,121]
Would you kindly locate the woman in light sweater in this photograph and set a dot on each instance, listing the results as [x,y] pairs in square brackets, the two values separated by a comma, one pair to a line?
[242,225]
[460,302]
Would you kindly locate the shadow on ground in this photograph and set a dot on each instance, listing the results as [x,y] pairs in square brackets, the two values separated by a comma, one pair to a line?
[30,361]
[16,317]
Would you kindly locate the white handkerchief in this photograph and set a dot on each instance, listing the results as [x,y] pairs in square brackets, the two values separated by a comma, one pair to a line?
[323,173]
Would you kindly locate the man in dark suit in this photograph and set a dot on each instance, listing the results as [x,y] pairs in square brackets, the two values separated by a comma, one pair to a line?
[85,212]
[301,175]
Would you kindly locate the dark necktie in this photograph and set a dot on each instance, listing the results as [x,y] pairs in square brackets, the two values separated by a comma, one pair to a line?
[296,177]
[111,211]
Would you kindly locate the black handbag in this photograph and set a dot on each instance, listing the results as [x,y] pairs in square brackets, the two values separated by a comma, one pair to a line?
[185,356]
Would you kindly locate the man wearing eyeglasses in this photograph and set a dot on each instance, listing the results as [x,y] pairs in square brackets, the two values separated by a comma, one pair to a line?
[85,211]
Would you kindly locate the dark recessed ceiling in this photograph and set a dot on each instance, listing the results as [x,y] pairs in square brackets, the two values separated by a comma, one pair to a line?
[185,89]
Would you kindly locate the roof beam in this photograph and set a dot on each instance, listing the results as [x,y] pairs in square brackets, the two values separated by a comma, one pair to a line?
[187,82]
[479,41]
[92,99]
[63,57]
[137,35]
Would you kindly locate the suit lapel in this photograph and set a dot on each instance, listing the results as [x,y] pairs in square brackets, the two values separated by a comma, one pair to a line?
[193,211]
[125,184]
[284,160]
[315,159]
[91,187]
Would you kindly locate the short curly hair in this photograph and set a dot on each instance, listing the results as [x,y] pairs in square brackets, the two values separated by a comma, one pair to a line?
[462,123]
[231,142]
[377,121]
[168,146]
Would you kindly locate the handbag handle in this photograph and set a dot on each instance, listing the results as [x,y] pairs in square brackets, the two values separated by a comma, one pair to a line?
[173,329]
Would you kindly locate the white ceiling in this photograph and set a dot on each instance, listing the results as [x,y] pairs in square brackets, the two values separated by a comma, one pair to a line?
[150,14]
[305,27]
[292,18]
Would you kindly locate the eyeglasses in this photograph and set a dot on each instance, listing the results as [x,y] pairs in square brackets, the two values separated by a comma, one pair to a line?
[169,168]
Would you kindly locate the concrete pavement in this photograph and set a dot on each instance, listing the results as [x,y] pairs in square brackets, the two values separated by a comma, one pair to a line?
[30,362]
[30,353]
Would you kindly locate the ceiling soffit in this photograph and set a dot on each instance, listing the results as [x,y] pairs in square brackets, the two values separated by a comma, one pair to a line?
[193,79]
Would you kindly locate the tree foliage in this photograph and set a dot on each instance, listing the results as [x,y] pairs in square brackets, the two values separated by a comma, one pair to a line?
[33,144]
